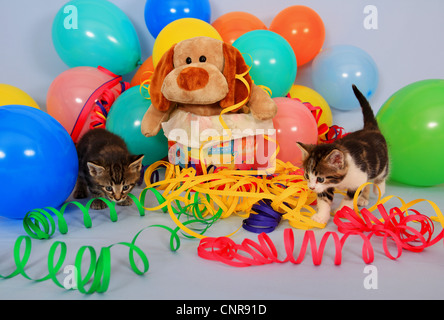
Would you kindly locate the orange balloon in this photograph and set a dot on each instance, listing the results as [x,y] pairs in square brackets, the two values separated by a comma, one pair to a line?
[234,24]
[304,30]
[144,72]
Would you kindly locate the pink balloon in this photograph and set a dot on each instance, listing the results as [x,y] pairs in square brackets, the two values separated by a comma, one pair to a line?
[69,92]
[293,123]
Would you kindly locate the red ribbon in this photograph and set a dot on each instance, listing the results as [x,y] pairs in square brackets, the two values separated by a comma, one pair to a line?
[332,133]
[393,227]
[103,94]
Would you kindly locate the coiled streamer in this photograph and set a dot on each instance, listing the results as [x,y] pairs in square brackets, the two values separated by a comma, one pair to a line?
[40,224]
[225,192]
[392,226]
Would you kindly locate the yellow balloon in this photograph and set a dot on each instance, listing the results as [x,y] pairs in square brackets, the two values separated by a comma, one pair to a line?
[179,30]
[306,94]
[13,95]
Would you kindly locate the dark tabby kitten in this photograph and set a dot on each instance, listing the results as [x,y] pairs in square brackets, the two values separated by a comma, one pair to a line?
[347,163]
[106,168]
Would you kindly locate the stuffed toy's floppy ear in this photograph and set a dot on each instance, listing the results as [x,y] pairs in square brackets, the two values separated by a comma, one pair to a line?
[237,90]
[163,68]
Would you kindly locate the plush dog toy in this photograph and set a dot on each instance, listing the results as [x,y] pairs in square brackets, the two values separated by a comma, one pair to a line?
[203,76]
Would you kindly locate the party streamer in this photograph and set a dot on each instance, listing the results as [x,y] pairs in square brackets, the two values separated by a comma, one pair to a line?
[105,99]
[40,224]
[225,192]
[396,225]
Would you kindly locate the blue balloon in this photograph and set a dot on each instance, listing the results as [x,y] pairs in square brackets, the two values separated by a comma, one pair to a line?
[335,69]
[96,33]
[159,13]
[38,161]
[272,60]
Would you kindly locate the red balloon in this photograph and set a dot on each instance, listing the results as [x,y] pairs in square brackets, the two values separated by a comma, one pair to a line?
[293,123]
[234,24]
[304,30]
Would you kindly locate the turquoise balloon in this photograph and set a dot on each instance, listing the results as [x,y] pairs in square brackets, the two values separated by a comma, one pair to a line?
[125,118]
[336,69]
[272,60]
[96,33]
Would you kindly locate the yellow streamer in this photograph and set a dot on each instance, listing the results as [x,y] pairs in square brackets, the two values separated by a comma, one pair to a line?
[235,192]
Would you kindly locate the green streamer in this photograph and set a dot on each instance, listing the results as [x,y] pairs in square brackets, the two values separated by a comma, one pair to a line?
[40,224]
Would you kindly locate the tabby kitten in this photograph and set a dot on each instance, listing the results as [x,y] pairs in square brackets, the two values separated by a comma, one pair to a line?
[106,168]
[347,163]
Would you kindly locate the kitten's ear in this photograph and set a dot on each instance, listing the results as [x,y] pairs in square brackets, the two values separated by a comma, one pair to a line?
[95,170]
[336,159]
[136,165]
[305,149]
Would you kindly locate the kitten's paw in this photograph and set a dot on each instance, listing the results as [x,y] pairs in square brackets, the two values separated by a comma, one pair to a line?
[98,205]
[321,218]
[379,189]
[362,202]
[126,202]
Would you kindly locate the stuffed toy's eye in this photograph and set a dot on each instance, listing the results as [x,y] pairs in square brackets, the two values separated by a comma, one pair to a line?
[202,59]
[188,60]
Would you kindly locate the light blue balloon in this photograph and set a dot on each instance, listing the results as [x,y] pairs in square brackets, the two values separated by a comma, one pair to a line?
[96,33]
[336,69]
[273,62]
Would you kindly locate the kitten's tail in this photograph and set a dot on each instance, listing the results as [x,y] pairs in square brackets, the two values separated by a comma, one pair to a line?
[367,112]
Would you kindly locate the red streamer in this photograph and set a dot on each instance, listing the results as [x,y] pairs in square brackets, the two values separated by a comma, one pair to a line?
[394,227]
[102,94]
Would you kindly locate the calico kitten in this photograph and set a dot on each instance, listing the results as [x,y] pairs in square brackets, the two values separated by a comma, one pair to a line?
[106,168]
[347,163]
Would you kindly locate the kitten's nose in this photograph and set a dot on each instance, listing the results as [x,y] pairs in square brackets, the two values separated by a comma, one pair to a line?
[118,197]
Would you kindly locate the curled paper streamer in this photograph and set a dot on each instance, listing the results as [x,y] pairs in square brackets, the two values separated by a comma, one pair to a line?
[332,134]
[394,225]
[99,102]
[263,218]
[250,253]
[99,269]
[226,192]
[40,224]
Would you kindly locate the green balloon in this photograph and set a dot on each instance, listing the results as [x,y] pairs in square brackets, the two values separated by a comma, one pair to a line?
[125,118]
[412,121]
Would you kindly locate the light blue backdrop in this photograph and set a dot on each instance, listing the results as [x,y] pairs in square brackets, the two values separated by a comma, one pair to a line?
[407,46]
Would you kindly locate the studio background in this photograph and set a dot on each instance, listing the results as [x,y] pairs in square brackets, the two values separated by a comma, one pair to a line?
[407,46]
